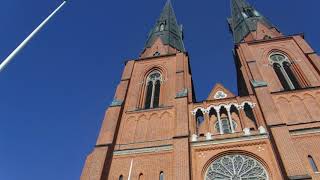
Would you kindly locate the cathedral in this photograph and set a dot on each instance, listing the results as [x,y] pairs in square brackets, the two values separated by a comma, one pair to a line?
[156,130]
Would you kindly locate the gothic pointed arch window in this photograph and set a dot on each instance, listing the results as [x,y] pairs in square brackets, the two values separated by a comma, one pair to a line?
[199,120]
[313,164]
[153,87]
[161,175]
[236,166]
[283,70]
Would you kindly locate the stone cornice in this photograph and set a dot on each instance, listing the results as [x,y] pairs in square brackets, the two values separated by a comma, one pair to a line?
[229,140]
[305,131]
[144,150]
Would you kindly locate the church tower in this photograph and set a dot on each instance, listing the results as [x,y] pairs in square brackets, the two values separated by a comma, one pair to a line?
[156,130]
[147,123]
[282,71]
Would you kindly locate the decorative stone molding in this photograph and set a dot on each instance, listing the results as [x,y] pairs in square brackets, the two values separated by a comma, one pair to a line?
[194,138]
[116,102]
[227,106]
[247,132]
[220,95]
[194,112]
[144,150]
[230,140]
[262,130]
[256,83]
[208,136]
[183,93]
[305,131]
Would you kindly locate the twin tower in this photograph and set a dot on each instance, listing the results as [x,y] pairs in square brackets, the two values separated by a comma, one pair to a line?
[155,129]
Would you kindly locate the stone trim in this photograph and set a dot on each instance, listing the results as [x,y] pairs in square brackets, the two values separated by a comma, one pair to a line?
[305,131]
[152,57]
[258,83]
[144,150]
[301,177]
[182,93]
[149,110]
[116,102]
[229,140]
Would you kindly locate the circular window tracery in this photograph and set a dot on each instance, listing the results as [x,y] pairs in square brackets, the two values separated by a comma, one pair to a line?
[278,58]
[236,167]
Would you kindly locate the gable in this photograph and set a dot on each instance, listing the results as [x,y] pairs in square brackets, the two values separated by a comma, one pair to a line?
[219,92]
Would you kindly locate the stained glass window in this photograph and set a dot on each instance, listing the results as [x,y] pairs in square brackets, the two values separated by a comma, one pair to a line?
[236,167]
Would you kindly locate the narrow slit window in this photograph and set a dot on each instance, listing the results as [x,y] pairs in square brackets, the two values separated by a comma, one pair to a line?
[282,79]
[313,164]
[199,120]
[156,94]
[149,95]
[161,176]
[292,77]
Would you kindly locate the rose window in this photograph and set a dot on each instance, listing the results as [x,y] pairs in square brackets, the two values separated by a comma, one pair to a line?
[236,167]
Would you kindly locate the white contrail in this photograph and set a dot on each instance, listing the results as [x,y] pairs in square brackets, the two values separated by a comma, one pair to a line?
[25,42]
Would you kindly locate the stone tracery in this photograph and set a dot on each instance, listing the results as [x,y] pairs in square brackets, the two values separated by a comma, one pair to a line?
[226,107]
[236,167]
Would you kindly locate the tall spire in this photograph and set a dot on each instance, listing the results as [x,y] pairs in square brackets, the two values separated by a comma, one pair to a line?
[167,29]
[244,19]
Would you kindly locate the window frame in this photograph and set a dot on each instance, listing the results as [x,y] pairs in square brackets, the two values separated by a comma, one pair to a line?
[281,65]
[154,83]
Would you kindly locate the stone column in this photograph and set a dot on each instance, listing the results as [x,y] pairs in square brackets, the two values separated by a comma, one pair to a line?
[230,118]
[219,118]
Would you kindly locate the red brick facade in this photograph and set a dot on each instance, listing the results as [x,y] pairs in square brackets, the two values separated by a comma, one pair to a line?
[182,138]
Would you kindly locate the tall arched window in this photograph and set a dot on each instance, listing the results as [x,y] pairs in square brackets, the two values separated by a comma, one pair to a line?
[161,176]
[153,90]
[199,120]
[282,68]
[249,113]
[313,164]
[287,68]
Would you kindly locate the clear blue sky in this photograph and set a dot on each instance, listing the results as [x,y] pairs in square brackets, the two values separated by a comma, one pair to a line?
[53,96]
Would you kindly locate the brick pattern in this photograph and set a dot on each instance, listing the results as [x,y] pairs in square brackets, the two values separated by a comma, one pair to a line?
[159,140]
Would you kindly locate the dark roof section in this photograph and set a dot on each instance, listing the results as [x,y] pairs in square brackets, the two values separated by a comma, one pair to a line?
[244,19]
[172,34]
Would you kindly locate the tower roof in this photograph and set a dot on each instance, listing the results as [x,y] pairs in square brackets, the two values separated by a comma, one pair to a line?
[167,29]
[244,19]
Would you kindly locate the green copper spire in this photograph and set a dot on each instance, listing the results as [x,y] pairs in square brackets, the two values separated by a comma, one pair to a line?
[244,19]
[167,29]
